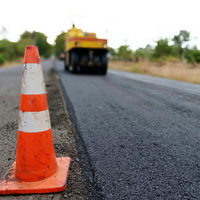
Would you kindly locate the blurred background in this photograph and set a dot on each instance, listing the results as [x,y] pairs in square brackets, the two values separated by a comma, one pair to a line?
[153,37]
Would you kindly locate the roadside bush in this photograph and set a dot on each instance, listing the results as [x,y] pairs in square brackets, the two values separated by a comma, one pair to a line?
[2,59]
[143,53]
[124,53]
[162,49]
[7,50]
[192,55]
[21,44]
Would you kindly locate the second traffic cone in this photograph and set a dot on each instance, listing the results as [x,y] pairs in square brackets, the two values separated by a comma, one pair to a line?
[36,170]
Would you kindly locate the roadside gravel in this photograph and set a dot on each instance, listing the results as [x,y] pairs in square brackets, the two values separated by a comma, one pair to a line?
[64,134]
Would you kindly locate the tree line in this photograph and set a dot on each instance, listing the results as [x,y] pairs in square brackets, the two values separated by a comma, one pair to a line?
[177,48]
[10,51]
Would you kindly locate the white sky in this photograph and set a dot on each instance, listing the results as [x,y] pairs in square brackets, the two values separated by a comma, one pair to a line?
[133,22]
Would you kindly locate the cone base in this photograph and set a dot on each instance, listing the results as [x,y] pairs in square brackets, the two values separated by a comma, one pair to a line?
[55,183]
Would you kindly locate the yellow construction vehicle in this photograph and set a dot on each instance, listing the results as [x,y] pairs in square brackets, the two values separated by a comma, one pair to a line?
[84,50]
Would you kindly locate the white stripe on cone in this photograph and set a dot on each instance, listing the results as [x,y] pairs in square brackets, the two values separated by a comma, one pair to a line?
[32,81]
[34,121]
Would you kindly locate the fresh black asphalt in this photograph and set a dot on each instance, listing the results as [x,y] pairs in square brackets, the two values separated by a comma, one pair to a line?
[141,134]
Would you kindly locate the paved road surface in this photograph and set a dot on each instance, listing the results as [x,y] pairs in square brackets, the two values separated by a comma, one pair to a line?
[141,134]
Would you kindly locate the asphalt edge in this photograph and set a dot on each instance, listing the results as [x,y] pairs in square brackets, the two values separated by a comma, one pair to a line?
[88,171]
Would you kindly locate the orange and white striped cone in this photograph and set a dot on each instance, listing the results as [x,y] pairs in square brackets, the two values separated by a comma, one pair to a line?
[36,170]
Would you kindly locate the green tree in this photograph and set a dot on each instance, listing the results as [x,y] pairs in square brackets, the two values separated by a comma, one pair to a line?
[180,42]
[7,50]
[192,55]
[21,45]
[144,53]
[60,43]
[2,59]
[41,41]
[124,52]
[162,48]
[34,38]
[112,53]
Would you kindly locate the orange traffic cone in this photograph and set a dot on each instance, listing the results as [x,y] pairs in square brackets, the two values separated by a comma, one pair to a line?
[36,170]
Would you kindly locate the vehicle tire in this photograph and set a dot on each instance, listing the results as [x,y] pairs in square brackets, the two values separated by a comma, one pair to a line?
[74,62]
[84,59]
[96,60]
[66,67]
[73,69]
[104,62]
[103,70]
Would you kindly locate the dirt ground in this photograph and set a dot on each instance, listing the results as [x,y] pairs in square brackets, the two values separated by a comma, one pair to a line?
[12,63]
[172,70]
[64,140]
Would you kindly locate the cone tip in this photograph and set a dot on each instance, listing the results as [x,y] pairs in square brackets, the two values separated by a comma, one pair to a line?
[31,55]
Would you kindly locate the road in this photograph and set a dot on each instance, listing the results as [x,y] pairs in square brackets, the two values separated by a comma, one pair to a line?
[137,137]
[141,134]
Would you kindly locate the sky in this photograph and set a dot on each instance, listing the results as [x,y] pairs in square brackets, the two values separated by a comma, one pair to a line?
[132,22]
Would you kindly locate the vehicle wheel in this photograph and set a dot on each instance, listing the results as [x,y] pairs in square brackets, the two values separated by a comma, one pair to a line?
[96,60]
[66,67]
[73,69]
[103,70]
[104,60]
[104,63]
[84,59]
[74,62]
